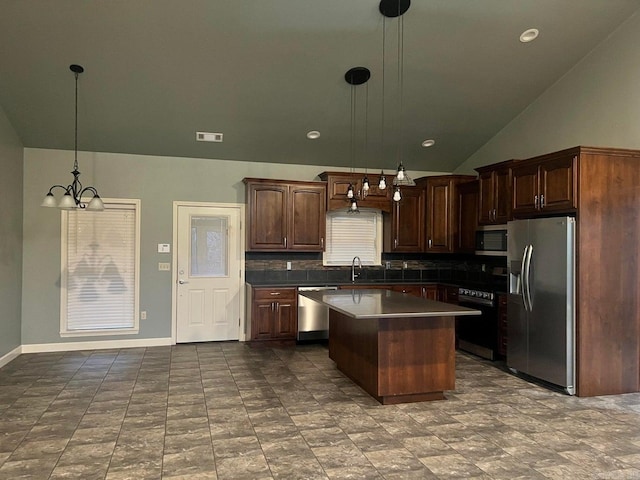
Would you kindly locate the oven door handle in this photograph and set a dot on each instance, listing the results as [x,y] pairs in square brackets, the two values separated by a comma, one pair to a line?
[526,281]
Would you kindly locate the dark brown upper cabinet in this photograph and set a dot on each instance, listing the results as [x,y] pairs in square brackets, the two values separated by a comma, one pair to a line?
[404,227]
[338,183]
[442,211]
[494,193]
[467,216]
[285,215]
[545,185]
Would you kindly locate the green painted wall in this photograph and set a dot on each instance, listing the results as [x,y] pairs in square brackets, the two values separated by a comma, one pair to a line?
[158,182]
[10,236]
[597,103]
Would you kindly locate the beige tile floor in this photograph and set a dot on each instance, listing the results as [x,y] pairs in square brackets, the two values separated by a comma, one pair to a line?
[230,411]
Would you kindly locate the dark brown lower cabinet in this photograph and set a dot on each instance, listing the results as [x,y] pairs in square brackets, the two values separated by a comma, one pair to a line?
[448,294]
[274,313]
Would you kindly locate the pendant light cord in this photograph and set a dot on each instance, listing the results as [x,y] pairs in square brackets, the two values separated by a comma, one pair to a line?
[75,163]
[400,78]
[353,129]
[366,130]
[384,35]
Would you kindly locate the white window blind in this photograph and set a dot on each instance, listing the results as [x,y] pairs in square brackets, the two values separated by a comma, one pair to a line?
[351,235]
[100,253]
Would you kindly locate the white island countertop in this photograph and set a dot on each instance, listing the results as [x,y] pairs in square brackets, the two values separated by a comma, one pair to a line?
[376,303]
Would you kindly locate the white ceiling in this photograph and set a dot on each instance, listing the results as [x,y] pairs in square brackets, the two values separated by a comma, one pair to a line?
[265,72]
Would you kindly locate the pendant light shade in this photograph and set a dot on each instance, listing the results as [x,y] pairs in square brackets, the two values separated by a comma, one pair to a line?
[383,181]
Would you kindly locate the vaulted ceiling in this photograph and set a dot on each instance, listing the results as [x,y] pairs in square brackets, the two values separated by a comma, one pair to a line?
[266,72]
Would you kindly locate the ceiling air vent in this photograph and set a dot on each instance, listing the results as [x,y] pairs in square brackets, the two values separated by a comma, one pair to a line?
[208,137]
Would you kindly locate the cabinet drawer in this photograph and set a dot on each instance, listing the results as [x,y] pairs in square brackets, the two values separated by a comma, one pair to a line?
[274,293]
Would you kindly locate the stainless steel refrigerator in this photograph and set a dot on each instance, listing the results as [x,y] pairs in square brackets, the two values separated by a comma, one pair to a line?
[541,301]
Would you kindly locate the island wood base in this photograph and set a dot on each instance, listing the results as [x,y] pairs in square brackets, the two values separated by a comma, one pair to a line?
[395,360]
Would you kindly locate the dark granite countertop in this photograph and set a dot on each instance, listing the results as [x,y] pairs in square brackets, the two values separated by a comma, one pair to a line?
[386,304]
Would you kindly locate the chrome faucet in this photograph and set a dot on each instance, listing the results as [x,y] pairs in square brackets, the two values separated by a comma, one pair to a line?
[355,275]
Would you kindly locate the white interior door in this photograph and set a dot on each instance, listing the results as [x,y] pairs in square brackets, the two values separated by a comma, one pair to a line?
[208,292]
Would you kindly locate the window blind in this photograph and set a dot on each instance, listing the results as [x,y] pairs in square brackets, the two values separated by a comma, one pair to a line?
[99,280]
[351,235]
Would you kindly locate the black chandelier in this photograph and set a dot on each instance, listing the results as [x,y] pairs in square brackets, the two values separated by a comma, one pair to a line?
[72,197]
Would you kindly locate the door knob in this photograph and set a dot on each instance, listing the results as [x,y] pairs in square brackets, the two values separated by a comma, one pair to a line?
[182,282]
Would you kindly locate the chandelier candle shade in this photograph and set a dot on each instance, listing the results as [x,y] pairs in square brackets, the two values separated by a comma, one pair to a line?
[74,192]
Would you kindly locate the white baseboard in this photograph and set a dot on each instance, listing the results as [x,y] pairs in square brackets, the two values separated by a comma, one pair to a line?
[6,358]
[95,345]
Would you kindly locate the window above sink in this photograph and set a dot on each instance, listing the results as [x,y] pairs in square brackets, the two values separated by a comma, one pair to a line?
[353,234]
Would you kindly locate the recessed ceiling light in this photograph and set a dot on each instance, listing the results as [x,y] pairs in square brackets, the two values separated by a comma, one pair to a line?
[429,143]
[313,134]
[529,35]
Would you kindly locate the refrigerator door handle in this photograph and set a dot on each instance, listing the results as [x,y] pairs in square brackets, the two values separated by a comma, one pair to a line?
[527,277]
[521,278]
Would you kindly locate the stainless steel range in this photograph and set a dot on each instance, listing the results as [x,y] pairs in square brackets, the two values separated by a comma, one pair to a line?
[478,335]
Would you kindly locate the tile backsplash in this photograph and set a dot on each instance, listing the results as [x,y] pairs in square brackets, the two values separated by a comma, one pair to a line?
[308,268]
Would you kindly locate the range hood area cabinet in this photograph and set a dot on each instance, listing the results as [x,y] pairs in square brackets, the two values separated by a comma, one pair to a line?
[434,216]
[338,183]
[468,193]
[494,193]
[442,211]
[285,215]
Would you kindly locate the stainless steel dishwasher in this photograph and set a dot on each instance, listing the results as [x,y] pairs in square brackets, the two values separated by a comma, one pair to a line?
[313,317]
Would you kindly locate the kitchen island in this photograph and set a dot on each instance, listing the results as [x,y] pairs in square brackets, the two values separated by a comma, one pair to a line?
[397,347]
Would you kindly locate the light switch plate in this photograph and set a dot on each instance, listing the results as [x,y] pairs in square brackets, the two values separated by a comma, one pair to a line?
[164,267]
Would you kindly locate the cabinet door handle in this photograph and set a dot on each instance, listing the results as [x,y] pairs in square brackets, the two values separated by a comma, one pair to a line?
[541,201]
[285,242]
[322,242]
[272,306]
[494,214]
[274,293]
[430,243]
[395,243]
[535,201]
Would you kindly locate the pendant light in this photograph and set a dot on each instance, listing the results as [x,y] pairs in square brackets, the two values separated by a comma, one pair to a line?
[355,76]
[382,184]
[72,197]
[396,9]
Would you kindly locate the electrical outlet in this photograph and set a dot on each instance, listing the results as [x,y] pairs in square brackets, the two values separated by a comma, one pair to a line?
[288,265]
[387,265]
[164,267]
[143,315]
[405,265]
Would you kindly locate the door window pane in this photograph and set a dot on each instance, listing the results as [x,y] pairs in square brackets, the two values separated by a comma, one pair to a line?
[209,246]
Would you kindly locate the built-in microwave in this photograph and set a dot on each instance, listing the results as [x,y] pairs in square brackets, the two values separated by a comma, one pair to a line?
[491,240]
